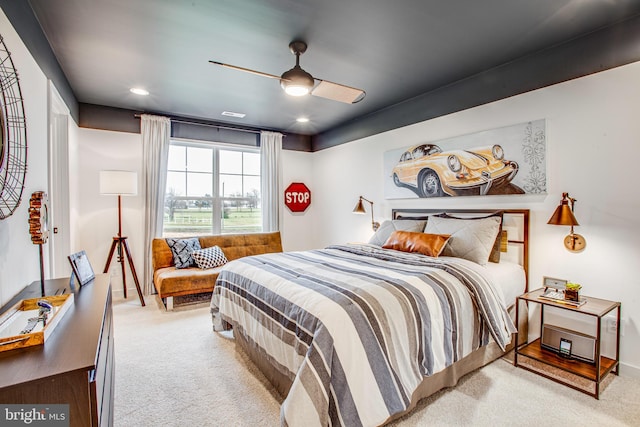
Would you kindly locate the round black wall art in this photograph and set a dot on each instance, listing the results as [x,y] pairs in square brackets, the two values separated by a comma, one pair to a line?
[13,136]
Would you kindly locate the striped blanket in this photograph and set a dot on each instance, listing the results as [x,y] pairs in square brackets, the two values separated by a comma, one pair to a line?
[357,327]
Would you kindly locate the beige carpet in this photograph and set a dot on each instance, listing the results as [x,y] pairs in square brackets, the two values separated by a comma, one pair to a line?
[172,370]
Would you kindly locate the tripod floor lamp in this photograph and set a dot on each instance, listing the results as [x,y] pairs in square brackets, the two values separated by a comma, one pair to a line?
[121,183]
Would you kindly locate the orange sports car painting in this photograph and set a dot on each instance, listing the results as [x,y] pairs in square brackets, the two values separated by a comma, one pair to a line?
[433,172]
[509,160]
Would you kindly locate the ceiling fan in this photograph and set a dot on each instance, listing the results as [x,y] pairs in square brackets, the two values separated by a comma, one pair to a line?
[297,82]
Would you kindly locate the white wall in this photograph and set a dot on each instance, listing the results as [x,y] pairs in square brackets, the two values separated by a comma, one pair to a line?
[96,216]
[19,258]
[297,228]
[592,150]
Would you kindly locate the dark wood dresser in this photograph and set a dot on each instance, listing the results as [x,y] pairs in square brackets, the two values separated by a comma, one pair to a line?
[75,366]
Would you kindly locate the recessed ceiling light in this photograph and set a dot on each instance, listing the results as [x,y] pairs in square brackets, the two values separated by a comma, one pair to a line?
[302,119]
[232,114]
[139,91]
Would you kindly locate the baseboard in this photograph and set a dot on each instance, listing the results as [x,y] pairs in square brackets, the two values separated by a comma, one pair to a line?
[630,371]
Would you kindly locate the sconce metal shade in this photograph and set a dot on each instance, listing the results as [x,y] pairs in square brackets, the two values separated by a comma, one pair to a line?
[359,209]
[563,215]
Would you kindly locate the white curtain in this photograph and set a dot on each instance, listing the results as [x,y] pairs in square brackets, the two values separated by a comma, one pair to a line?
[270,149]
[156,133]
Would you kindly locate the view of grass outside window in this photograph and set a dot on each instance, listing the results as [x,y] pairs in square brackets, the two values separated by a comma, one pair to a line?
[193,208]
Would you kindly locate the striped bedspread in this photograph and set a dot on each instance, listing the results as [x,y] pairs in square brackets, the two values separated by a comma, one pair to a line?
[357,327]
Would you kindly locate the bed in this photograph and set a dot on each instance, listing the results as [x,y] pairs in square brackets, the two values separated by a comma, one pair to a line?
[357,334]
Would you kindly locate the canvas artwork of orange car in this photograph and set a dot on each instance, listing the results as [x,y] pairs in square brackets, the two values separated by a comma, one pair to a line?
[431,172]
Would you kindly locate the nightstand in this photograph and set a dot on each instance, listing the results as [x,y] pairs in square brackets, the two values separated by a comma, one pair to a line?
[595,372]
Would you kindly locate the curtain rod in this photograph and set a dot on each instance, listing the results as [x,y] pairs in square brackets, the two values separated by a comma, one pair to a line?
[137,116]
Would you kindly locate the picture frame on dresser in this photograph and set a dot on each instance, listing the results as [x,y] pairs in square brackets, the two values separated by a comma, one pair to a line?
[82,270]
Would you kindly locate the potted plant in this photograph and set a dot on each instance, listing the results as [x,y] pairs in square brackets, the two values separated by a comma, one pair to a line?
[572,292]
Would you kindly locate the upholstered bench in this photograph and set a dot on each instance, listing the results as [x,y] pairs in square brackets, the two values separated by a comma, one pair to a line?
[170,281]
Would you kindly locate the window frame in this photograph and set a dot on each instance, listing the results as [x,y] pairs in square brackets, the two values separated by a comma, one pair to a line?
[217,202]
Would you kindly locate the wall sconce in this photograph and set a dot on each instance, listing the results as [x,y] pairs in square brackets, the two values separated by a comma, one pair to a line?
[359,209]
[563,215]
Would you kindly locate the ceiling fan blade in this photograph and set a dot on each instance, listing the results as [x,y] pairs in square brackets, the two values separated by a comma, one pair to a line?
[246,70]
[338,92]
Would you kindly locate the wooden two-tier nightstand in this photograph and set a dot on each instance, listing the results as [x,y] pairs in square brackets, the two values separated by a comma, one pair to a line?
[594,372]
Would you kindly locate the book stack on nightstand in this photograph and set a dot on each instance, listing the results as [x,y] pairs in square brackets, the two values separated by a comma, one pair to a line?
[573,356]
[554,295]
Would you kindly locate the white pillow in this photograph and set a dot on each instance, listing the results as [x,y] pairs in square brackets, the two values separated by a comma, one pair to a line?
[209,257]
[471,239]
[390,226]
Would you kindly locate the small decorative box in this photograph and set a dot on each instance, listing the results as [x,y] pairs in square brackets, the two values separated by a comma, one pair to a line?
[572,292]
[572,295]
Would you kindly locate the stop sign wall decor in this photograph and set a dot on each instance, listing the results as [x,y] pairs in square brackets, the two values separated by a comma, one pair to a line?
[297,197]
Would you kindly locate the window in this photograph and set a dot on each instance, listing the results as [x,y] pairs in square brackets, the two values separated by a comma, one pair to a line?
[212,189]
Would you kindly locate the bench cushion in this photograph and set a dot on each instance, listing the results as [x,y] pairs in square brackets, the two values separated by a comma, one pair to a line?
[171,281]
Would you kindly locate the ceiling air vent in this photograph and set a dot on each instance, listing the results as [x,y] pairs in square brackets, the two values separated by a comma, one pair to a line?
[232,114]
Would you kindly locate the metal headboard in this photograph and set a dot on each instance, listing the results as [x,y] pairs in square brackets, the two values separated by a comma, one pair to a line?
[519,217]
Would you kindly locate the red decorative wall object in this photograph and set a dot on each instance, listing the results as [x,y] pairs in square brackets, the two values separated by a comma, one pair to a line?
[297,197]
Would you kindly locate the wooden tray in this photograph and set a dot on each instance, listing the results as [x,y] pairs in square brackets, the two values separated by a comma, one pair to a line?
[15,319]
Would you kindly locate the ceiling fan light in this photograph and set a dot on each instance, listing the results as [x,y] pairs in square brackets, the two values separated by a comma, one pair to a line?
[296,81]
[296,90]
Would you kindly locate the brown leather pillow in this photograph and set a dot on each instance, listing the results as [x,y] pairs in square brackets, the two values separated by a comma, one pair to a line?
[410,241]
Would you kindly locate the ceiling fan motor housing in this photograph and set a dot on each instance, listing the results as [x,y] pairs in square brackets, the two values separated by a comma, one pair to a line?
[296,81]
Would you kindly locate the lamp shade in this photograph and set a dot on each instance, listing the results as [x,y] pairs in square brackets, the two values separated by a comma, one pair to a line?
[563,215]
[119,183]
[359,209]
